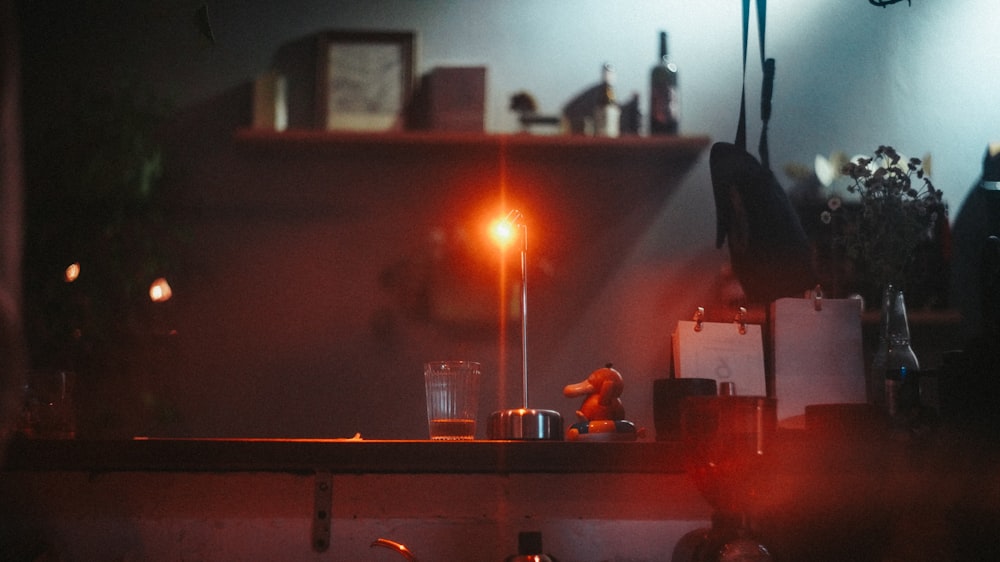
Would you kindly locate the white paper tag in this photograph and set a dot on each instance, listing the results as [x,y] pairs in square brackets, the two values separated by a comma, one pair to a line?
[719,351]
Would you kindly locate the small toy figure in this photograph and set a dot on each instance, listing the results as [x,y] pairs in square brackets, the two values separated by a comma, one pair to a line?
[602,414]
[602,389]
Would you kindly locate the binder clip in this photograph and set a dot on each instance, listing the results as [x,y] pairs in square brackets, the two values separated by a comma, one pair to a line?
[741,320]
[699,318]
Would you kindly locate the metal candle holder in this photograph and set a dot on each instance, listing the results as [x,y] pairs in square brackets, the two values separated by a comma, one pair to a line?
[524,423]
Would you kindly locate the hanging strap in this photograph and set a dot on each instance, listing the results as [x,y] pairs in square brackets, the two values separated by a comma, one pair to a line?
[767,87]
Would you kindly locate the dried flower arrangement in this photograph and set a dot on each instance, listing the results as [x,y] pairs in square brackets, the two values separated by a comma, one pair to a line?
[899,210]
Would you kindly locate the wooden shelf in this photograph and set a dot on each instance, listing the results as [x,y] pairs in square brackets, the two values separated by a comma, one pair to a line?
[341,456]
[680,147]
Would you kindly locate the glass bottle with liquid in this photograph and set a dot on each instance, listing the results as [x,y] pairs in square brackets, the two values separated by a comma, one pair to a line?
[607,113]
[902,368]
[663,100]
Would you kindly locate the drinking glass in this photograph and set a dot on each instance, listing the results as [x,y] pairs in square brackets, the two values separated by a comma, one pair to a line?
[452,399]
[48,411]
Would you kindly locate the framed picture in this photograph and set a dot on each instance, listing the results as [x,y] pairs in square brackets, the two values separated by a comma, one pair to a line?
[365,80]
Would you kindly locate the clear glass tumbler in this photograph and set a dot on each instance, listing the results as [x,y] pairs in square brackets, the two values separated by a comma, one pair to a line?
[452,398]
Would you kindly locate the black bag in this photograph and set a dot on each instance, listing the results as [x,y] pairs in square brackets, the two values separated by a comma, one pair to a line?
[768,249]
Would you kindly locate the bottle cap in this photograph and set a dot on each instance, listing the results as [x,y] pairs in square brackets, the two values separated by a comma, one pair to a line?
[529,542]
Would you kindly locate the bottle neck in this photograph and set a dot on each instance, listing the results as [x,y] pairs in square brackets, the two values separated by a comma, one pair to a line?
[607,94]
[608,75]
[898,329]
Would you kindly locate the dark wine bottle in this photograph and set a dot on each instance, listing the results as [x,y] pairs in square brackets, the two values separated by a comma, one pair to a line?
[663,100]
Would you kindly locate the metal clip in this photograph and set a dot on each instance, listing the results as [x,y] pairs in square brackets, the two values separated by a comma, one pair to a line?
[741,320]
[699,318]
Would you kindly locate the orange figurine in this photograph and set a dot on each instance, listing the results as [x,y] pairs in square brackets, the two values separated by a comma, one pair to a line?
[602,414]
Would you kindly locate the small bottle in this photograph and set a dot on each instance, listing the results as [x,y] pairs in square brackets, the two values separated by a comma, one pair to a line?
[529,548]
[664,104]
[902,369]
[607,114]
[631,118]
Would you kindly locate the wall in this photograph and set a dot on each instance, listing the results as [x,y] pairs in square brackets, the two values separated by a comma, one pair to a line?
[850,77]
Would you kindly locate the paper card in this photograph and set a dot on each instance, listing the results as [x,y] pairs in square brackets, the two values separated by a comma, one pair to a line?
[818,354]
[719,351]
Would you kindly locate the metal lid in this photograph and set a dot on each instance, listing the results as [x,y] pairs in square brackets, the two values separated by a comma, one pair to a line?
[526,424]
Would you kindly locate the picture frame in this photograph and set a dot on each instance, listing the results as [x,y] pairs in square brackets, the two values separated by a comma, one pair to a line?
[365,80]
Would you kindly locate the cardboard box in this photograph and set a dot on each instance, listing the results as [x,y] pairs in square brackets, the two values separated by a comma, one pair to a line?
[454,99]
